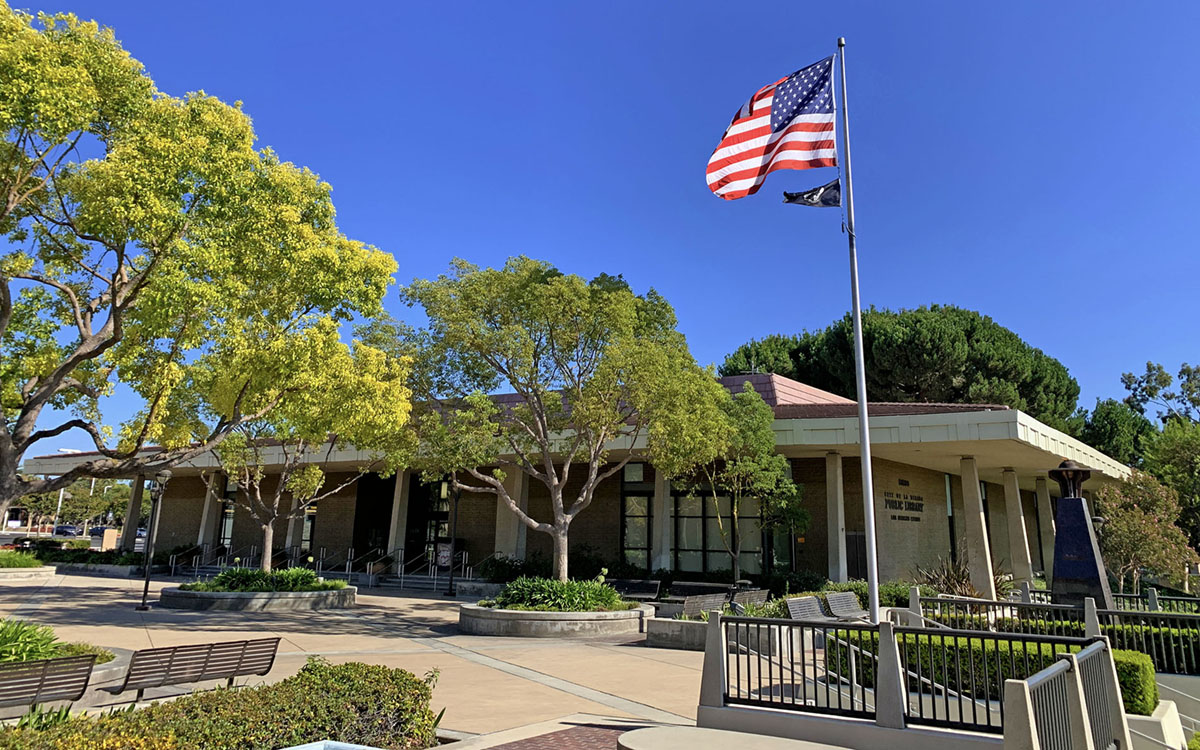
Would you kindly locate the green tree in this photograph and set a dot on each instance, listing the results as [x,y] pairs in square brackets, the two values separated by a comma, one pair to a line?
[1173,456]
[938,353]
[592,365]
[1118,430]
[1175,400]
[749,470]
[340,396]
[151,243]
[1140,530]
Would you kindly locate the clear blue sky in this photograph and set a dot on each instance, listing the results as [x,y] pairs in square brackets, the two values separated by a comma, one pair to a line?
[1034,161]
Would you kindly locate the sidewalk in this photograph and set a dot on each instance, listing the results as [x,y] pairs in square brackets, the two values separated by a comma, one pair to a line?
[486,684]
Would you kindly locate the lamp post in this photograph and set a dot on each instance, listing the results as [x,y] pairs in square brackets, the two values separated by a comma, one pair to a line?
[156,494]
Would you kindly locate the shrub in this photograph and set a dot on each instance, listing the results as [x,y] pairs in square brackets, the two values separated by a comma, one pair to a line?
[1139,688]
[254,579]
[103,655]
[550,595]
[26,641]
[1194,742]
[352,703]
[13,559]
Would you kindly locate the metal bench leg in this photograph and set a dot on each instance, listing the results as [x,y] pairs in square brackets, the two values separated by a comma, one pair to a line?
[229,683]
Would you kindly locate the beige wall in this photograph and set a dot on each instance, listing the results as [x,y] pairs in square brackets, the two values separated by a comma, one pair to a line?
[179,517]
[910,519]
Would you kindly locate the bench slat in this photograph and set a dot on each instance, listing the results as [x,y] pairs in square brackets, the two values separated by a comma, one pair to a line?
[27,683]
[159,667]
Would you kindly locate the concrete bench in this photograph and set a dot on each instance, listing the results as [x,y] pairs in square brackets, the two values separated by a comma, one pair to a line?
[635,590]
[158,667]
[29,683]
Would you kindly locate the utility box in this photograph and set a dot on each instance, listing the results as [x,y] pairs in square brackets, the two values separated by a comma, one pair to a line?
[109,540]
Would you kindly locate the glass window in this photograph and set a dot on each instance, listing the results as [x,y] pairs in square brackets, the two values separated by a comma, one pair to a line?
[637,535]
[635,517]
[700,534]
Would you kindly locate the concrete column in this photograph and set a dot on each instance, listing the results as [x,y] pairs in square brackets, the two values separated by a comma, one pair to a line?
[133,512]
[510,530]
[1018,540]
[835,517]
[295,528]
[1045,513]
[979,554]
[399,526]
[211,511]
[662,524]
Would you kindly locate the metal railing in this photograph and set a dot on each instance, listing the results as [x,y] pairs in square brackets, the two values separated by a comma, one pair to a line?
[1172,640]
[1092,663]
[1010,616]
[956,677]
[1073,704]
[1050,697]
[814,667]
[175,558]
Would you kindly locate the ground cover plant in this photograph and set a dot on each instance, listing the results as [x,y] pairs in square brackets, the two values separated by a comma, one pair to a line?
[28,641]
[551,595]
[353,703]
[255,579]
[14,559]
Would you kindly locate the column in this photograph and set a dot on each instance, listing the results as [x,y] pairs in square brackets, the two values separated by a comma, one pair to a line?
[1018,540]
[979,555]
[662,523]
[399,525]
[133,513]
[211,511]
[295,527]
[511,530]
[835,517]
[1045,513]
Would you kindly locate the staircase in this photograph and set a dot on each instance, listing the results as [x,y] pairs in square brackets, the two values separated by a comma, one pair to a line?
[418,582]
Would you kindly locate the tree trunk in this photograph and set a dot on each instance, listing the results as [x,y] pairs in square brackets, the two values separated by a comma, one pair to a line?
[735,543]
[560,552]
[268,543]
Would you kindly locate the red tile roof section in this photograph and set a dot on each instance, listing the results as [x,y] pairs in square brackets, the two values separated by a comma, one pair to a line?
[777,390]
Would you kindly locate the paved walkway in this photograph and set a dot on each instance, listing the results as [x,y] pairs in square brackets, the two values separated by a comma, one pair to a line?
[486,684]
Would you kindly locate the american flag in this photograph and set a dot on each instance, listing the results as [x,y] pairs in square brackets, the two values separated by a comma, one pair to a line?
[787,125]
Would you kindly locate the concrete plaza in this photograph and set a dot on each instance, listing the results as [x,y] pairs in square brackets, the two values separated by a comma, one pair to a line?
[486,684]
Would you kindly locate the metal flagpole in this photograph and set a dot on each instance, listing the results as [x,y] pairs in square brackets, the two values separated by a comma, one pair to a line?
[860,372]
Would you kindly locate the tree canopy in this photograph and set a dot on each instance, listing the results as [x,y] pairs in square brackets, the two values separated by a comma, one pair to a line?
[152,243]
[591,365]
[1140,530]
[1118,430]
[937,353]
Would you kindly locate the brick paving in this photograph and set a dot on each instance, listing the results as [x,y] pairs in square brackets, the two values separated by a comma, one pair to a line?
[586,737]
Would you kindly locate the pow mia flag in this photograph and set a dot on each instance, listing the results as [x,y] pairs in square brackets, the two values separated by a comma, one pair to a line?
[826,196]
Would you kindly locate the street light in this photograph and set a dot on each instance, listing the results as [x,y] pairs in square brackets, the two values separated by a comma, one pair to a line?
[156,494]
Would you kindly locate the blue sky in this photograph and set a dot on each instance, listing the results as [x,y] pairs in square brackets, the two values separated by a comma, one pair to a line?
[1034,161]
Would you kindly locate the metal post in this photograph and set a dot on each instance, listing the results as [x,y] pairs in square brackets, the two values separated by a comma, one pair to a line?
[160,486]
[860,372]
[453,537]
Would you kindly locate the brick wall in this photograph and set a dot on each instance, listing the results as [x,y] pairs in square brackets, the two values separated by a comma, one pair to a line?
[179,516]
[597,527]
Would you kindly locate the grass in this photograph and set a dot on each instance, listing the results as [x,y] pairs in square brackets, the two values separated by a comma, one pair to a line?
[12,559]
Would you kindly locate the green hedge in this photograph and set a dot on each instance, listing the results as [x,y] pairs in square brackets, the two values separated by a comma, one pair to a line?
[254,579]
[943,660]
[14,559]
[353,703]
[551,595]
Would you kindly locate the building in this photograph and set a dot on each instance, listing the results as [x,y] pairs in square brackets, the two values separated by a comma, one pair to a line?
[950,480]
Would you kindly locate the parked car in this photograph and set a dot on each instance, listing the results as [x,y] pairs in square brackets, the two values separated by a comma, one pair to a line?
[141,533]
[66,531]
[98,530]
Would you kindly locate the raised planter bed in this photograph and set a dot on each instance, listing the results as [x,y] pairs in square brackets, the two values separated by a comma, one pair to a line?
[121,571]
[26,574]
[258,601]
[477,589]
[478,620]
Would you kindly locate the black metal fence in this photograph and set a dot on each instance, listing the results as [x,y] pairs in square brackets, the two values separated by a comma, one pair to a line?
[1172,640]
[814,667]
[1006,617]
[955,678]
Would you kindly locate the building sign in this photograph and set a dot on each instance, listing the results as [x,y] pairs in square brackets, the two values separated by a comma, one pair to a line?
[443,555]
[905,507]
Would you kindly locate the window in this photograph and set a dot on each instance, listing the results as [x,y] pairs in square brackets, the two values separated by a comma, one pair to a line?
[306,529]
[701,530]
[225,523]
[636,499]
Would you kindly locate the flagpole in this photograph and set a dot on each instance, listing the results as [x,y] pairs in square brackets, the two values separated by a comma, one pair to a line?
[860,372]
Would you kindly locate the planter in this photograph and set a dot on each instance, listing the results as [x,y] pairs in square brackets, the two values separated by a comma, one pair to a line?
[43,573]
[691,635]
[477,589]
[1162,728]
[258,601]
[478,620]
[120,571]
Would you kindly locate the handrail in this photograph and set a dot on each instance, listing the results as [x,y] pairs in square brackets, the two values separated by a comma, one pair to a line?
[179,554]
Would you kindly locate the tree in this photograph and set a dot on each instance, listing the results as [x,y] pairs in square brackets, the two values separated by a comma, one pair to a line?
[749,469]
[1118,430]
[151,243]
[592,366]
[1140,532]
[938,353]
[1155,387]
[1173,457]
[340,396]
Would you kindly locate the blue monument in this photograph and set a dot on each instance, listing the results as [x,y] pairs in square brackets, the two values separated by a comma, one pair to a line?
[1078,568]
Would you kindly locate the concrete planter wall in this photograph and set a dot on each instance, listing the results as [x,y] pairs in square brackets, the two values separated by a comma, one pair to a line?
[1162,727]
[122,571]
[26,574]
[258,601]
[477,589]
[690,635]
[478,620]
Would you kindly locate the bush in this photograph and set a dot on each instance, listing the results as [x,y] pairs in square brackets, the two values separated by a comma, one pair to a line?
[352,703]
[13,559]
[1139,688]
[550,595]
[1194,742]
[26,641]
[255,579]
[103,655]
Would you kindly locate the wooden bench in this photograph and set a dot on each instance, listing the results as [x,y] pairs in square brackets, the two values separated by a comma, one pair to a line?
[844,605]
[157,667]
[808,609]
[28,683]
[635,590]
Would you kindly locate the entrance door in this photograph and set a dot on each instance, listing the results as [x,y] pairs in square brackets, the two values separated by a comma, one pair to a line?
[428,521]
[856,554]
[373,513]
